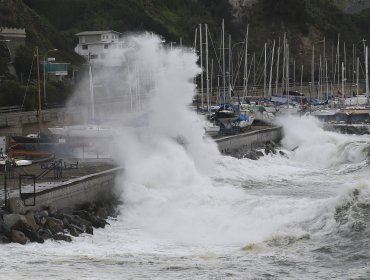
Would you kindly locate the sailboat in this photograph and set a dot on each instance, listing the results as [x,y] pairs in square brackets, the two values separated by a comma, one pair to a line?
[91,130]
[37,137]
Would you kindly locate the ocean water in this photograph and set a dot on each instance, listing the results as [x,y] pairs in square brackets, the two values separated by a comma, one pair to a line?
[189,212]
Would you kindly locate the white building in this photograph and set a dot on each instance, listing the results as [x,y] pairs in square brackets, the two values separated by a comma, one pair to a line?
[96,44]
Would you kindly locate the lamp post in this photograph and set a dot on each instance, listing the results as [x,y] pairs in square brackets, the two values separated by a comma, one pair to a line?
[45,55]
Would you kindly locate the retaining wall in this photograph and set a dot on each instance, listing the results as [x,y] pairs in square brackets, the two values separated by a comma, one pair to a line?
[249,140]
[95,187]
[101,185]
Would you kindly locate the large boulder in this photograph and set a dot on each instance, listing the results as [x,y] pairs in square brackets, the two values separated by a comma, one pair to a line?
[83,214]
[61,236]
[53,211]
[98,222]
[45,234]
[30,217]
[252,154]
[55,225]
[4,239]
[32,235]
[5,230]
[102,213]
[11,220]
[18,237]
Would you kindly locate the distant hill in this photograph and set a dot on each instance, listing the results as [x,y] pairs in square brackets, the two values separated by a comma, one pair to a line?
[352,6]
[54,23]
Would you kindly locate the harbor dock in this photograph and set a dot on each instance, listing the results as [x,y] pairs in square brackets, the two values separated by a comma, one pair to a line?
[74,182]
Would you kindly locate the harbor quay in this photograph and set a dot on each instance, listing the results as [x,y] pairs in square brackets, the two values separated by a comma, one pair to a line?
[80,181]
[66,196]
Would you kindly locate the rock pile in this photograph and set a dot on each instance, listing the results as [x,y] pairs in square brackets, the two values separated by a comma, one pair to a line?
[51,223]
[270,147]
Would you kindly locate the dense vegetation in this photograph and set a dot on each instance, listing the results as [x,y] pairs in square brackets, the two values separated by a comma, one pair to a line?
[54,23]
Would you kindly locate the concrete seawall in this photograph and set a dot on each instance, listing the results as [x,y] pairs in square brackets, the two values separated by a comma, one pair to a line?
[89,188]
[249,140]
[101,185]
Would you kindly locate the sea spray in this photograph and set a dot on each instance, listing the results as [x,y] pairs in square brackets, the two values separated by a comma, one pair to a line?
[295,217]
[312,144]
[170,189]
[176,186]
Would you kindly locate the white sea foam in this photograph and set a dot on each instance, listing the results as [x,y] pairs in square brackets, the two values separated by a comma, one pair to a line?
[172,187]
[188,210]
[322,148]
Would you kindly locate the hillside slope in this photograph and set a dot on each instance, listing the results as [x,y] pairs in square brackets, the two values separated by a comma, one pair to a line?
[54,23]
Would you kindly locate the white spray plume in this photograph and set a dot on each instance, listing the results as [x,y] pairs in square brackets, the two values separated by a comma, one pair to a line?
[170,190]
[312,144]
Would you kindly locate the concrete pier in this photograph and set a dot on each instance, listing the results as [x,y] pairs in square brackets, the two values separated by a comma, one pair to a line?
[78,188]
[89,188]
[249,140]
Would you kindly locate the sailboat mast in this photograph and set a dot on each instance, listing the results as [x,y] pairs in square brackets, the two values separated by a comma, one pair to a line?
[223,59]
[294,75]
[264,73]
[342,79]
[326,79]
[91,88]
[345,65]
[338,54]
[230,68]
[277,68]
[357,69]
[319,93]
[207,71]
[367,74]
[246,64]
[302,78]
[284,60]
[201,65]
[287,73]
[272,64]
[38,89]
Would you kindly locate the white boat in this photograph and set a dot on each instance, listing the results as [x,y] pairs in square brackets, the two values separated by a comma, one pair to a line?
[326,115]
[83,131]
[246,120]
[356,100]
[289,110]
[18,163]
[211,129]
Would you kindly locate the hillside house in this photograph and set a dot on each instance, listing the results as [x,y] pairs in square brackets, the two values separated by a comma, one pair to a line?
[96,44]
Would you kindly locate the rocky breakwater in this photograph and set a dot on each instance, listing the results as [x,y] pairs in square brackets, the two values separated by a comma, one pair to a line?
[270,147]
[54,224]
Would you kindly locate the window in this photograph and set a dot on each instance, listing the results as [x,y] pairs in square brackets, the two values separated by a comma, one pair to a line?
[94,56]
[84,47]
[106,46]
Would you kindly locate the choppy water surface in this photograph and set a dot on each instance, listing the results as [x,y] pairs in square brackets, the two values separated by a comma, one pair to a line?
[190,213]
[275,218]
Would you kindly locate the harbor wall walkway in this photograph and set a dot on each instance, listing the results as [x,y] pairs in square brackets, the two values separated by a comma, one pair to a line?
[95,187]
[249,140]
[101,185]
